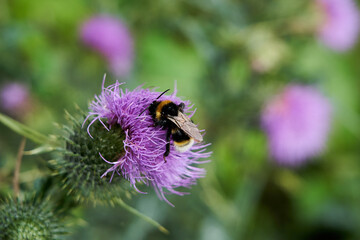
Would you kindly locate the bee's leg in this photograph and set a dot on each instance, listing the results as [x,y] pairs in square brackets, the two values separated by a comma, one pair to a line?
[167,151]
[181,107]
[168,134]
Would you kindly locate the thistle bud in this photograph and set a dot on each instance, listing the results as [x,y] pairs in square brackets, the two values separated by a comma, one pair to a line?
[29,219]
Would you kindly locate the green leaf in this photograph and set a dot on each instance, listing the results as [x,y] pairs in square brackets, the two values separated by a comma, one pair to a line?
[142,216]
[24,130]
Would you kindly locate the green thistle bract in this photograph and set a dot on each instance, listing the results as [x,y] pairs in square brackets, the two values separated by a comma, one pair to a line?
[80,166]
[29,219]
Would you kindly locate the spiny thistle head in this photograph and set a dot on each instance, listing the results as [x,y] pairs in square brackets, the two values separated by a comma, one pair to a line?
[29,219]
[80,166]
[141,157]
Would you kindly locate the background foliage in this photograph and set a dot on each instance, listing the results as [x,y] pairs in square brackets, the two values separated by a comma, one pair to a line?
[228,57]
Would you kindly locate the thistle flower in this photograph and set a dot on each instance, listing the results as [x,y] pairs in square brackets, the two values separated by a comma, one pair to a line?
[141,157]
[110,37]
[29,219]
[14,98]
[297,123]
[340,27]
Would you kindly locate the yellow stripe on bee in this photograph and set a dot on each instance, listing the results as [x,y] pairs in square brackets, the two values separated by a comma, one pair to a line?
[182,143]
[159,108]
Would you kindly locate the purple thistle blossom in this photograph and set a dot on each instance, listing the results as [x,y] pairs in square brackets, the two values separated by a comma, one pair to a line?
[340,28]
[144,144]
[13,95]
[15,99]
[109,36]
[297,123]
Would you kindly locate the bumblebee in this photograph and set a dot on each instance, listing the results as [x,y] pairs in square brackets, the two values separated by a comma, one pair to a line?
[180,128]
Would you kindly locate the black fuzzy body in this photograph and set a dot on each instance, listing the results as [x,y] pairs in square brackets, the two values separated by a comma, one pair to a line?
[159,111]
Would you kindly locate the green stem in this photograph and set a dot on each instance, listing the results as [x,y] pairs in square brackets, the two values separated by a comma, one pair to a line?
[144,217]
[17,168]
[24,130]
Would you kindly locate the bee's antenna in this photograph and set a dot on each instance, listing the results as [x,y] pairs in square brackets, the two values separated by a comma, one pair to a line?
[162,93]
[155,99]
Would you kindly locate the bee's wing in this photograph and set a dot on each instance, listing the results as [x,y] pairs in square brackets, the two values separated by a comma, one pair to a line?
[185,124]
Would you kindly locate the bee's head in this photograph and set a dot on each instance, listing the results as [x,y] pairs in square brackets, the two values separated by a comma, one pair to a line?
[154,102]
[169,108]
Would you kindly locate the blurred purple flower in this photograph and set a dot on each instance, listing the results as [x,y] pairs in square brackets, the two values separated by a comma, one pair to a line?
[144,144]
[109,36]
[340,28]
[14,98]
[297,123]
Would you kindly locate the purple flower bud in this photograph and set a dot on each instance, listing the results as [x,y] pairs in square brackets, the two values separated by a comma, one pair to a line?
[110,37]
[297,123]
[340,28]
[144,144]
[14,98]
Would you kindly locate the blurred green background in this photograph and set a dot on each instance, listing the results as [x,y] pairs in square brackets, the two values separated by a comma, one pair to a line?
[228,57]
